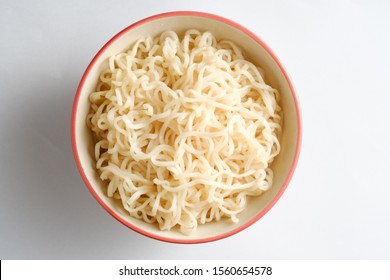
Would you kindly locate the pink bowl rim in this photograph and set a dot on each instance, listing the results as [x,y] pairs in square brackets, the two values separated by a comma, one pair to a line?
[81,168]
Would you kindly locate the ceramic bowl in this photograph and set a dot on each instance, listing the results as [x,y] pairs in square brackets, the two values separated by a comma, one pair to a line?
[255,51]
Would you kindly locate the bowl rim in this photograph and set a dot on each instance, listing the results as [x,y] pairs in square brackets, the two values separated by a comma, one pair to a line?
[107,207]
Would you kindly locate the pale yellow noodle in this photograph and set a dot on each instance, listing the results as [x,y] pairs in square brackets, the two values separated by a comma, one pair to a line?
[185,128]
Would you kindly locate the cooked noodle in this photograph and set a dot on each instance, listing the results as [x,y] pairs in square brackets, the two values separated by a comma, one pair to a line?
[185,128]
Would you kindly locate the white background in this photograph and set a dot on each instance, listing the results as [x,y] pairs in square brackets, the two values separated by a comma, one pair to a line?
[337,205]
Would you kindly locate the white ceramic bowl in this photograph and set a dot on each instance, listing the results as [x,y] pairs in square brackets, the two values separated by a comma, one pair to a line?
[257,52]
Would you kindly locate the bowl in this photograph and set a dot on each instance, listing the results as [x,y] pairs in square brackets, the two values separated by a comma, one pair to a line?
[255,51]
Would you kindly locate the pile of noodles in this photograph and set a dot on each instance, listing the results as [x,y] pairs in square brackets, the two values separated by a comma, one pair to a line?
[185,128]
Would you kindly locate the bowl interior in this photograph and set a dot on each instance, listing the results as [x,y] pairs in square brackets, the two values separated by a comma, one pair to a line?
[255,52]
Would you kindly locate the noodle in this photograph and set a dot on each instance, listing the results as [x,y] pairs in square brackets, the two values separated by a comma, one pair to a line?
[185,129]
